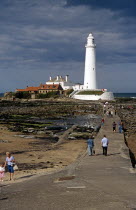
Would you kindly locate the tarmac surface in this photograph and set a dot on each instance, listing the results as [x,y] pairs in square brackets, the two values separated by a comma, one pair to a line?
[91,183]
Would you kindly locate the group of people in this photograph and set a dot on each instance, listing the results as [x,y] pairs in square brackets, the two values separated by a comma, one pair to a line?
[109,113]
[9,163]
[109,110]
[120,126]
[104,143]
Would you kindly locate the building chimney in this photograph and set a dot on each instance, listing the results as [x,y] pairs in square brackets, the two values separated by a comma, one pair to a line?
[66,78]
[57,77]
[50,78]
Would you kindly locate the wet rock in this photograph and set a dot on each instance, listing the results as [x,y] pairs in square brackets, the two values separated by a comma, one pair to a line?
[55,128]
[72,138]
[31,130]
[97,128]
[127,113]
[78,135]
[41,132]
[4,141]
[27,166]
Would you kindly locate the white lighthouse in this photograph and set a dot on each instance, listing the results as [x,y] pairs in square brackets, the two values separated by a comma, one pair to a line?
[90,91]
[90,64]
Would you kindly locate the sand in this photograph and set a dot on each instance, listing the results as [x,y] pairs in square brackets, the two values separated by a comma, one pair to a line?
[34,156]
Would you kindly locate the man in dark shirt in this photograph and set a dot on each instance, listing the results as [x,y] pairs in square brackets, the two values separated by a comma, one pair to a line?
[114,126]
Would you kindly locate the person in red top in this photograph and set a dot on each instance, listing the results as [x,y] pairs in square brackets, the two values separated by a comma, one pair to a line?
[102,121]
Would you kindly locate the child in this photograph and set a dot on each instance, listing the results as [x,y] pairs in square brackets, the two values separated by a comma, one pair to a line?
[2,171]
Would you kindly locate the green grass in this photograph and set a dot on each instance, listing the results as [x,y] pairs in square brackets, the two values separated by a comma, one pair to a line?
[90,92]
[20,116]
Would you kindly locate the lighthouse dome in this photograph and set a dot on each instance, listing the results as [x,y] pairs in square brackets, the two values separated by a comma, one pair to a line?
[91,36]
[90,40]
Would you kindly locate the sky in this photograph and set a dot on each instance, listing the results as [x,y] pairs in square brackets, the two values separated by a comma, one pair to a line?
[42,38]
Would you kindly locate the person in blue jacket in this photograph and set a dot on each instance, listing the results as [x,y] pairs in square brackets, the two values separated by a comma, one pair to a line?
[90,143]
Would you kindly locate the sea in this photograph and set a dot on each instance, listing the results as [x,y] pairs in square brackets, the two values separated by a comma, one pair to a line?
[125,95]
[1,94]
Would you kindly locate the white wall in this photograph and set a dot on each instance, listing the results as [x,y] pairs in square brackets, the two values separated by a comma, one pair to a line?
[105,96]
[86,97]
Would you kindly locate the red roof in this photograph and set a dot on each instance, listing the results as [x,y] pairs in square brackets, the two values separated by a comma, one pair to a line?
[41,87]
[29,89]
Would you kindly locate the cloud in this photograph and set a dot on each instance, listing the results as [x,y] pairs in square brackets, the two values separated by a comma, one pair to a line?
[40,38]
[127,7]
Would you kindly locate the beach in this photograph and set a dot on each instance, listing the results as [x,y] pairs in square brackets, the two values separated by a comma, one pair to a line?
[38,150]
[40,159]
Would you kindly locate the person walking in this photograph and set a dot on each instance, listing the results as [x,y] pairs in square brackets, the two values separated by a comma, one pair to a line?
[90,143]
[105,143]
[107,113]
[102,122]
[120,127]
[114,126]
[111,113]
[10,161]
[123,127]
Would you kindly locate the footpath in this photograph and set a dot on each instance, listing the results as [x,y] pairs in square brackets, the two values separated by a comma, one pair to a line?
[91,183]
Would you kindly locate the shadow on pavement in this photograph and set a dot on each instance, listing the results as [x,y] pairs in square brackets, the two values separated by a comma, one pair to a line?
[23,177]
[131,154]
[110,154]
[132,158]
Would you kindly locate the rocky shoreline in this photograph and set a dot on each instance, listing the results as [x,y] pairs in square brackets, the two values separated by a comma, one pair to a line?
[127,113]
[49,118]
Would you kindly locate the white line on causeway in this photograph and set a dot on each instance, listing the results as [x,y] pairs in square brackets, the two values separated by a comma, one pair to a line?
[77,187]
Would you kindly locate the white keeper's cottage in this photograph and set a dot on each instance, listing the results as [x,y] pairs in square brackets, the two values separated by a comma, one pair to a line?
[63,81]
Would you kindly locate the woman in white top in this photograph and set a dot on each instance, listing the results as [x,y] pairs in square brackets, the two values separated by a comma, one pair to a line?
[10,161]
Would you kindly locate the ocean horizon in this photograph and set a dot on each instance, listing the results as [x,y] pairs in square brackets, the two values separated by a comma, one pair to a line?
[124,95]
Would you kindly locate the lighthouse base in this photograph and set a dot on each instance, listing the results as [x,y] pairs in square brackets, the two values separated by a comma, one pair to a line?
[90,96]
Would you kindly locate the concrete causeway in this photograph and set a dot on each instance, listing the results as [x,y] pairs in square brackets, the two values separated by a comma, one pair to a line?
[91,183]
